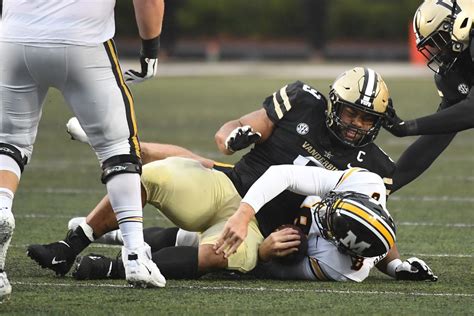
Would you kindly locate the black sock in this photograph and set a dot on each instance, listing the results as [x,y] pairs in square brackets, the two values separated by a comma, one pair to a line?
[178,262]
[77,240]
[159,238]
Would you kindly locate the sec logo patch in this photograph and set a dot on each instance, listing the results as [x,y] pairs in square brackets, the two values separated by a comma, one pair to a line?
[463,88]
[302,128]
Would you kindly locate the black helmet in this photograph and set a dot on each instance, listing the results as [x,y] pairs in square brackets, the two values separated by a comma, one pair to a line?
[356,223]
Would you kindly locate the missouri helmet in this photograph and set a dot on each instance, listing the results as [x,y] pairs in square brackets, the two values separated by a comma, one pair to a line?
[357,224]
[364,90]
[442,29]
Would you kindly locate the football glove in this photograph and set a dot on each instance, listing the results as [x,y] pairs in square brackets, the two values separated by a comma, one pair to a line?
[148,62]
[393,123]
[74,129]
[414,269]
[241,137]
[148,66]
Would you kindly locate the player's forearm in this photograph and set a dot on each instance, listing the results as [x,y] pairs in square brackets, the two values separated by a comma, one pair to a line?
[149,16]
[393,256]
[222,134]
[456,118]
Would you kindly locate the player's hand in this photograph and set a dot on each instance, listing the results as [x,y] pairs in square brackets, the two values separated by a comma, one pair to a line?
[235,231]
[414,269]
[241,137]
[392,123]
[74,128]
[280,243]
[148,70]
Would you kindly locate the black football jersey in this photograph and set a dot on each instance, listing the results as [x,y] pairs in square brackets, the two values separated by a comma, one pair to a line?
[300,137]
[456,84]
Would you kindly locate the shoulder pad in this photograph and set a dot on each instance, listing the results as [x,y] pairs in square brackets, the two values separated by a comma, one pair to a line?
[292,96]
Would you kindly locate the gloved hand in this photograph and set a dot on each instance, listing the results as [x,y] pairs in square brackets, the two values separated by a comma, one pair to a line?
[241,137]
[393,123]
[74,129]
[148,62]
[414,269]
[148,65]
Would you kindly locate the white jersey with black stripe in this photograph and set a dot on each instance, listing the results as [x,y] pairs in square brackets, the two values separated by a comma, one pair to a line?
[59,22]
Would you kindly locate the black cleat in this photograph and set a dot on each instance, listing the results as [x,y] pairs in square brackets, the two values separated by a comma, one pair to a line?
[57,256]
[93,267]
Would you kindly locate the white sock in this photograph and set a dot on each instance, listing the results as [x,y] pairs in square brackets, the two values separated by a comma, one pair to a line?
[125,196]
[7,223]
[9,164]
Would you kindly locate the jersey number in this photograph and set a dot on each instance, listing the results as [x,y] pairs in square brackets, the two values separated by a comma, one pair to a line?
[312,91]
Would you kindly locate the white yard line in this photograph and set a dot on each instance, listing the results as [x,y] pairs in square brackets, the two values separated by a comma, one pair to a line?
[254,289]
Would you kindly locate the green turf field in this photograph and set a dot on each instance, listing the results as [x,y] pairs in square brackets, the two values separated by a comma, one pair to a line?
[435,215]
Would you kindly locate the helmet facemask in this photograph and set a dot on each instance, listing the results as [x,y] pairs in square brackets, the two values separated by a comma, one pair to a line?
[324,215]
[335,227]
[339,128]
[438,48]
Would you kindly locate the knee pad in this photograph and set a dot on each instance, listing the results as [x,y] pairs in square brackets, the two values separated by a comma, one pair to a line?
[7,225]
[14,153]
[120,164]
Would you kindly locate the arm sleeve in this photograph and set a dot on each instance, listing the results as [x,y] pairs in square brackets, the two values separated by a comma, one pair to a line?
[302,180]
[454,119]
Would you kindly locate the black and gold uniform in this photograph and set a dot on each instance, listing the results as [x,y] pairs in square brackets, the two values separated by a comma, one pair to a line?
[301,137]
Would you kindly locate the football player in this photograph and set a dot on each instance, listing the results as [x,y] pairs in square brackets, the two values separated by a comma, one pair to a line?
[443,32]
[68,45]
[296,125]
[349,231]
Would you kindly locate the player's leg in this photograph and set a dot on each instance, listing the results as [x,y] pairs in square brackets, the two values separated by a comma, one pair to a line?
[21,99]
[150,151]
[59,256]
[105,109]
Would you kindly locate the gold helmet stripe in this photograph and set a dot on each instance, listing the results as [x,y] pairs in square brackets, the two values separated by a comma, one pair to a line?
[373,222]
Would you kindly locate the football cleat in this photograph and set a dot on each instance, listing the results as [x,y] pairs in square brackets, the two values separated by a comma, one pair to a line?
[57,256]
[74,128]
[93,267]
[140,270]
[5,287]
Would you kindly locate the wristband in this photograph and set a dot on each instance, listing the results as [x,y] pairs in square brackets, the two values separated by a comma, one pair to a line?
[150,47]
[392,265]
[411,127]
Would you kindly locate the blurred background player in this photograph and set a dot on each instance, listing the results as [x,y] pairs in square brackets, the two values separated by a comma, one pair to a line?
[443,32]
[68,45]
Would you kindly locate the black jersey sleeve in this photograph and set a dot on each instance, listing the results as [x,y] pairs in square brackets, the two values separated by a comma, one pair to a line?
[290,97]
[456,118]
[457,102]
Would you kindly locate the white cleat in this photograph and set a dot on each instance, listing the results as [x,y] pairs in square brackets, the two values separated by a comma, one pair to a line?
[140,270]
[5,287]
[74,129]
